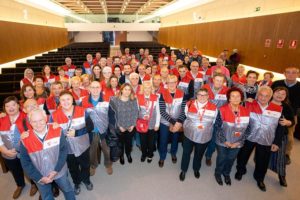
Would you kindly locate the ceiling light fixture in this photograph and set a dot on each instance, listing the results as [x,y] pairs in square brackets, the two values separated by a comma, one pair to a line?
[174,7]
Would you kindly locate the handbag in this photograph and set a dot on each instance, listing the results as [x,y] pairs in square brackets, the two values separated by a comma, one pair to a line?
[142,125]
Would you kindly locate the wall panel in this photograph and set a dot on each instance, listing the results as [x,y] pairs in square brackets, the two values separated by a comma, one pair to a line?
[21,40]
[248,35]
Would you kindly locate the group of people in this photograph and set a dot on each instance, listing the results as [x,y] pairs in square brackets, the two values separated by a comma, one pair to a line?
[62,123]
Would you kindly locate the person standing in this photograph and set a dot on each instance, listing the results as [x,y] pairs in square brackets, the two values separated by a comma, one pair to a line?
[290,82]
[43,156]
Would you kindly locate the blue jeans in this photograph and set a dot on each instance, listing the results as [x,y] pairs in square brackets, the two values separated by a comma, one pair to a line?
[164,139]
[211,146]
[63,184]
[225,159]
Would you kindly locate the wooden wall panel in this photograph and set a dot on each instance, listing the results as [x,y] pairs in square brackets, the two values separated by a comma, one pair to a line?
[247,34]
[19,40]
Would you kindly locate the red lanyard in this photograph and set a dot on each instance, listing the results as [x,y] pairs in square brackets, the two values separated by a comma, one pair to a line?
[201,114]
[237,116]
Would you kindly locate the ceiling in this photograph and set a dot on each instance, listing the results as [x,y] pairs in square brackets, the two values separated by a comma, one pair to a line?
[128,7]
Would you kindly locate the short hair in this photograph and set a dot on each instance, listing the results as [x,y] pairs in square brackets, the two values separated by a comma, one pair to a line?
[219,75]
[265,88]
[9,99]
[252,72]
[182,67]
[270,73]
[280,88]
[27,70]
[106,69]
[42,112]
[84,76]
[60,68]
[172,77]
[234,89]
[202,90]
[38,77]
[66,92]
[133,75]
[56,83]
[297,69]
[75,78]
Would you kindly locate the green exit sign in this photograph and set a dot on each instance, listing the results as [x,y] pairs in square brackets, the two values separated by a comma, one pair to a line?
[257,9]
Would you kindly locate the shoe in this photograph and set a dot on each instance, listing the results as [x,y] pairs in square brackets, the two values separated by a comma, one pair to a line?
[261,186]
[33,190]
[149,160]
[122,161]
[92,171]
[89,186]
[238,176]
[18,192]
[197,174]
[55,191]
[208,162]
[219,179]
[227,180]
[160,163]
[129,158]
[182,176]
[77,189]
[143,159]
[174,159]
[282,181]
[109,170]
[287,160]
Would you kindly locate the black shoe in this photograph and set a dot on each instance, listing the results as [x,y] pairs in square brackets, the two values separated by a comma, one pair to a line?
[197,174]
[143,159]
[149,160]
[160,163]
[122,161]
[208,162]
[77,189]
[238,176]
[282,181]
[129,158]
[287,160]
[219,179]
[174,159]
[261,186]
[227,180]
[182,176]
[55,191]
[89,186]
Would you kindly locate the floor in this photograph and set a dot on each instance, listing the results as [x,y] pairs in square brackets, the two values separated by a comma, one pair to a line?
[149,182]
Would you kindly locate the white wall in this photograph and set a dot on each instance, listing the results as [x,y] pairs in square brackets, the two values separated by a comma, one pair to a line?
[139,36]
[88,37]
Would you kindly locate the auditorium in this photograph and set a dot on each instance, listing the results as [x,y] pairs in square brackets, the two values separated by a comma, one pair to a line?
[149,99]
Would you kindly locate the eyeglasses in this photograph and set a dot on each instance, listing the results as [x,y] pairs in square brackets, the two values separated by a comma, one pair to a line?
[172,82]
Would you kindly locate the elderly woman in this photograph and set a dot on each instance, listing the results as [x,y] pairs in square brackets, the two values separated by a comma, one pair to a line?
[28,77]
[200,116]
[171,104]
[122,115]
[239,77]
[263,136]
[278,159]
[10,143]
[231,131]
[148,120]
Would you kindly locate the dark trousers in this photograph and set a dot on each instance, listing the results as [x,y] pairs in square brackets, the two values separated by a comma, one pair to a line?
[125,139]
[262,157]
[211,146]
[164,135]
[188,146]
[16,169]
[79,167]
[147,143]
[225,159]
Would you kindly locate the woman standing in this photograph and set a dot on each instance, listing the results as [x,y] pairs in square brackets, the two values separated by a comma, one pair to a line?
[77,92]
[231,131]
[28,77]
[122,115]
[148,120]
[112,88]
[200,116]
[76,125]
[96,73]
[277,162]
[42,92]
[107,73]
[48,76]
[27,92]
[10,143]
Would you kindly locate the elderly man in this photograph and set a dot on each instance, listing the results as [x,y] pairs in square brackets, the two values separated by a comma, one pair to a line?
[69,68]
[263,136]
[43,156]
[96,105]
[290,82]
[88,64]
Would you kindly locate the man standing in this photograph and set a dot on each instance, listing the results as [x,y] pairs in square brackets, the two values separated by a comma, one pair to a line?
[290,82]
[43,156]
